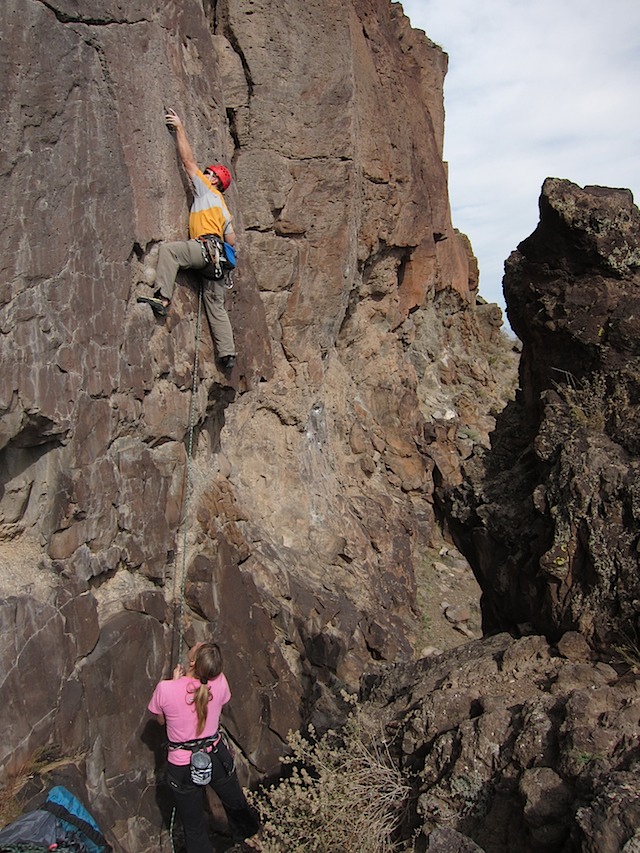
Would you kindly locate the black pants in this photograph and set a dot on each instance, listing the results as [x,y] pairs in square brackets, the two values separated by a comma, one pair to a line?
[190,802]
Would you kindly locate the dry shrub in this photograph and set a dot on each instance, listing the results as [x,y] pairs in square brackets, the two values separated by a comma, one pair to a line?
[628,649]
[587,400]
[344,794]
[605,403]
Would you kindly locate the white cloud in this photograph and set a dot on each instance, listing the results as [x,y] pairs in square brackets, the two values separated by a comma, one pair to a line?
[535,89]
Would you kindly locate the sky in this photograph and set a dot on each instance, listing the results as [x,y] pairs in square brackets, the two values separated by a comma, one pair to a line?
[535,89]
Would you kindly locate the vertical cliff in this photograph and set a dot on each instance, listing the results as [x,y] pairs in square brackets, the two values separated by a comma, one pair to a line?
[363,369]
[528,741]
[549,518]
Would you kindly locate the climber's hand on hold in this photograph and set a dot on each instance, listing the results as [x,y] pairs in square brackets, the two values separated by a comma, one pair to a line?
[172,120]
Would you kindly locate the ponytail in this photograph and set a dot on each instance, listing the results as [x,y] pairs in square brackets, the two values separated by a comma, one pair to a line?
[201,700]
[207,665]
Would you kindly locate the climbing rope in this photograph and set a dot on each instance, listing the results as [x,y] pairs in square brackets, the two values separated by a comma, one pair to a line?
[192,414]
[194,388]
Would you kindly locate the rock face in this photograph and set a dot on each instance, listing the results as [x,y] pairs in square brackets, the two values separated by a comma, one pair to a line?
[531,744]
[516,746]
[548,519]
[577,313]
[293,530]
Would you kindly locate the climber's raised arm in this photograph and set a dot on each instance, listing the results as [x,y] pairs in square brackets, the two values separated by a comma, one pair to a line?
[174,121]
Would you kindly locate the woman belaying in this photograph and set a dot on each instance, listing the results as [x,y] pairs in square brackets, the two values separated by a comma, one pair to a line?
[190,705]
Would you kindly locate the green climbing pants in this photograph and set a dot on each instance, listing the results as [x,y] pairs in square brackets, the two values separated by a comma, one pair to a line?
[187,255]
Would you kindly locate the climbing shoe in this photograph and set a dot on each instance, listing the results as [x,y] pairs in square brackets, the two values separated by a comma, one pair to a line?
[228,361]
[159,308]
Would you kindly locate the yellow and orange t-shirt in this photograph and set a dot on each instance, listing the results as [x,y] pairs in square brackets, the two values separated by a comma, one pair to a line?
[209,213]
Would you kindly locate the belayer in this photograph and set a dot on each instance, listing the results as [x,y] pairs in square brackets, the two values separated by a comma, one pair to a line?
[190,704]
[210,225]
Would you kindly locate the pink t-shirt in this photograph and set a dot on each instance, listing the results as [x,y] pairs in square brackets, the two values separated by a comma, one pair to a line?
[173,699]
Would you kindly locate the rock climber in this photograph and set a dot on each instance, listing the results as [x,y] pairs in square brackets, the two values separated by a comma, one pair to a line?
[209,215]
[190,704]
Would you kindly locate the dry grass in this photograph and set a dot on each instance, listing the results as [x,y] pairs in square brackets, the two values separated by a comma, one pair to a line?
[628,649]
[42,761]
[588,400]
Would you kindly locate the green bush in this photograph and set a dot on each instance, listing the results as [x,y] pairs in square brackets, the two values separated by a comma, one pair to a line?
[344,794]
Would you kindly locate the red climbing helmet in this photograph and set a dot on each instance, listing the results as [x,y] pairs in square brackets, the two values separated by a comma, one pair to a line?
[222,172]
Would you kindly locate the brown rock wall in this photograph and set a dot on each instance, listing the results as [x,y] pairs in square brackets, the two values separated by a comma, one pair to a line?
[299,546]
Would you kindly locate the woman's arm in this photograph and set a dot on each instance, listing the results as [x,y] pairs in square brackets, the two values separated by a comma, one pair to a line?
[156,703]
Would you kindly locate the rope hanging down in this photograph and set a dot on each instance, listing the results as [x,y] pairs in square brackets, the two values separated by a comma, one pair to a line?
[178,625]
[194,386]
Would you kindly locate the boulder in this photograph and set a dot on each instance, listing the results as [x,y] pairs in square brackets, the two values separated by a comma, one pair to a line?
[510,750]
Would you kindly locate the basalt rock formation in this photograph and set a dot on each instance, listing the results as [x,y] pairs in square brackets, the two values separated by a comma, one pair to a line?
[524,742]
[288,508]
[294,508]
[515,746]
[549,518]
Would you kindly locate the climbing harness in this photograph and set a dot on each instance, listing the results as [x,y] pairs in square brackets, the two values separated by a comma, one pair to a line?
[220,258]
[200,766]
[196,743]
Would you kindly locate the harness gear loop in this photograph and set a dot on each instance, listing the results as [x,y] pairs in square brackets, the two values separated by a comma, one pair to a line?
[219,257]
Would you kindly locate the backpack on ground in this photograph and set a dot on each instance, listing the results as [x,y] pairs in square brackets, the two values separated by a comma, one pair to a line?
[61,820]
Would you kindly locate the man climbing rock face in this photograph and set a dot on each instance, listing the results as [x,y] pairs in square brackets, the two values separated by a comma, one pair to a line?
[209,216]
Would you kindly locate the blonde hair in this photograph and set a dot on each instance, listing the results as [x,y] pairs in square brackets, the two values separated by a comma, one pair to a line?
[206,666]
